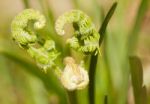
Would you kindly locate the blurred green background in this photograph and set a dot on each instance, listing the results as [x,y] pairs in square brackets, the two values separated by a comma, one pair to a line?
[22,82]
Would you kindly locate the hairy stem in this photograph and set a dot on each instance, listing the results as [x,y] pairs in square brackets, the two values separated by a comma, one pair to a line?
[93,63]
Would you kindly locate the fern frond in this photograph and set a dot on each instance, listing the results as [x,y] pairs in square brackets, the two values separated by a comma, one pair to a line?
[23,29]
[83,29]
[20,24]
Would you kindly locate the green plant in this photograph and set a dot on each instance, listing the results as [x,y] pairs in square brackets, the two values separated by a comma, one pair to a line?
[90,63]
[85,37]
[24,28]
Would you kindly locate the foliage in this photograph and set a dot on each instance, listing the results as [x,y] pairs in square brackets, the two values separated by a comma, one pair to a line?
[73,70]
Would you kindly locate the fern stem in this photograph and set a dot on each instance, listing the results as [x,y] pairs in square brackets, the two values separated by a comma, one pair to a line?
[50,22]
[93,62]
[106,100]
[72,97]
[26,3]
[76,4]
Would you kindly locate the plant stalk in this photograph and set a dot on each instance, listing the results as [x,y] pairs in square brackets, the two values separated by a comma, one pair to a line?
[26,3]
[72,97]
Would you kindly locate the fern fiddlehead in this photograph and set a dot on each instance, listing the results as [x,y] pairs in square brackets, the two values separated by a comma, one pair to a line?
[24,28]
[20,23]
[85,37]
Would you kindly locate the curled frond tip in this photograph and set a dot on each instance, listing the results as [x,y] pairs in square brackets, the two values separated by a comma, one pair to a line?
[86,37]
[22,23]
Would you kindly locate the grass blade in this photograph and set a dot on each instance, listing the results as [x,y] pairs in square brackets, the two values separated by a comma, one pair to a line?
[134,34]
[106,21]
[137,80]
[94,58]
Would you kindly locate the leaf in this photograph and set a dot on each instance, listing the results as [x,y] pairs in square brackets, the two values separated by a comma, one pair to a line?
[133,36]
[137,80]
[144,95]
[93,63]
[106,21]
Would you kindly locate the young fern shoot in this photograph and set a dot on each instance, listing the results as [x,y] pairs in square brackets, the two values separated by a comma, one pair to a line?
[74,76]
[86,37]
[23,29]
[20,24]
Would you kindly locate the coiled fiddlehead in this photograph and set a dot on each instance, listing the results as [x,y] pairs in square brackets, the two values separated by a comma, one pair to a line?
[86,37]
[24,28]
[19,26]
